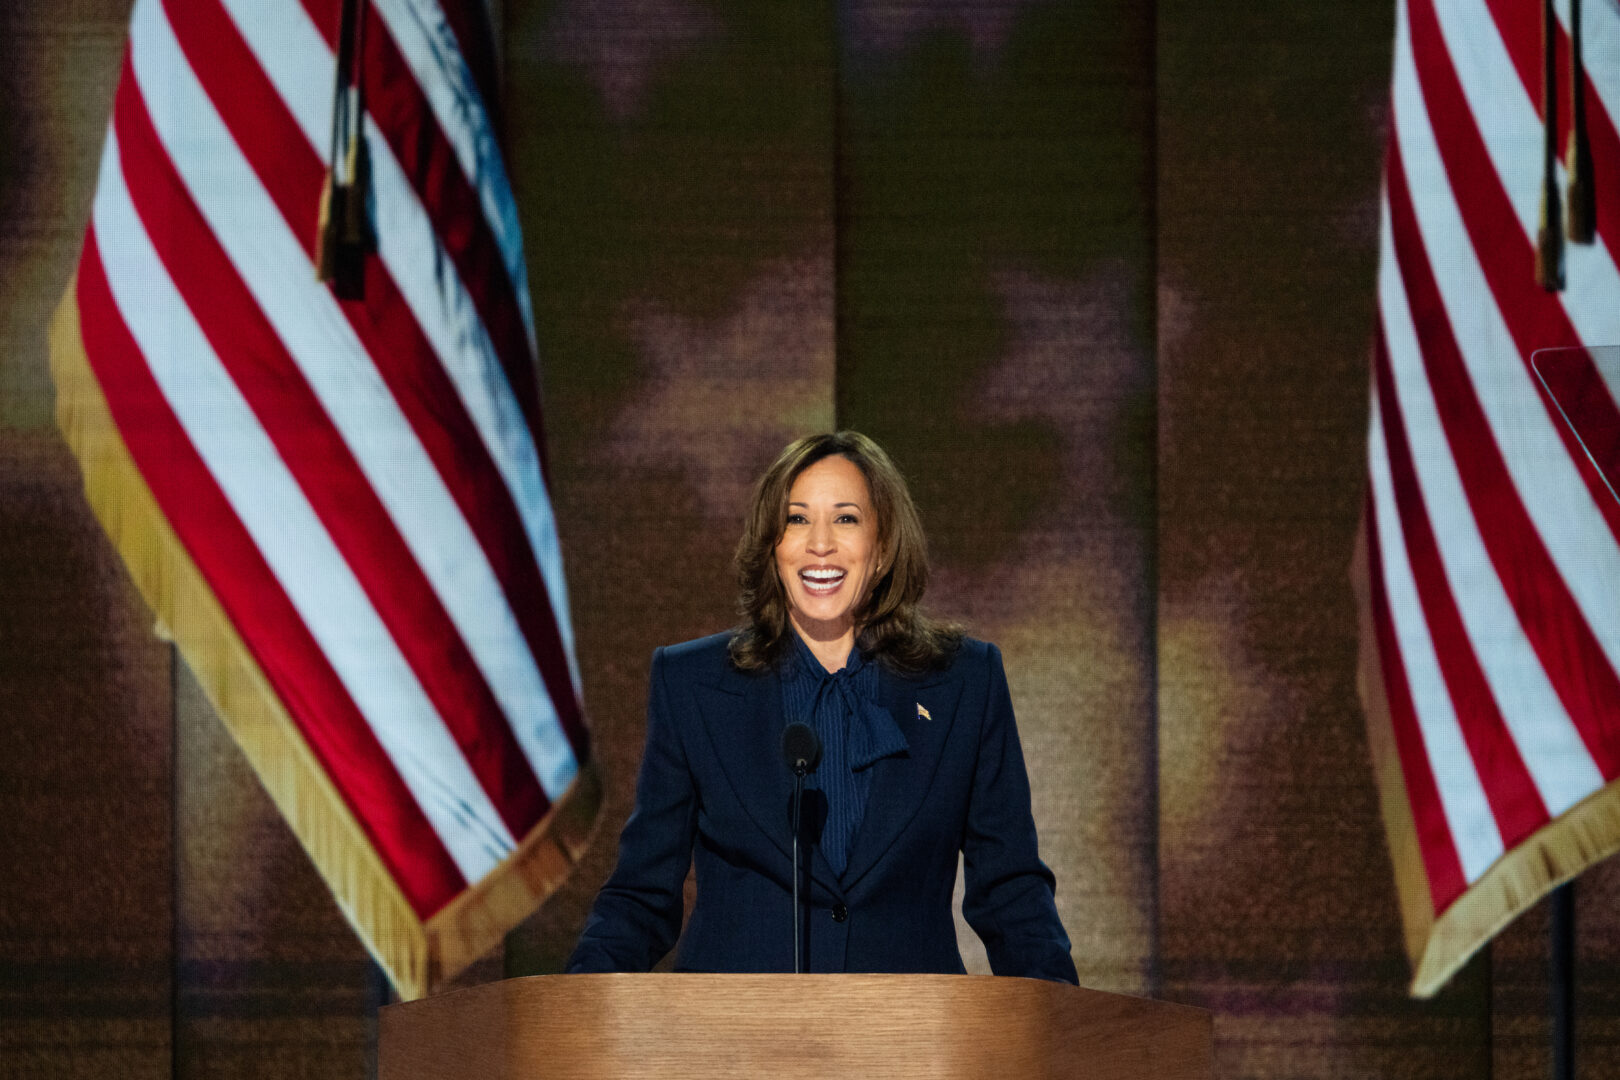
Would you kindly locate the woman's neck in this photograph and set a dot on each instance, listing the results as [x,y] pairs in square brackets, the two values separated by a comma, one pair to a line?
[829,643]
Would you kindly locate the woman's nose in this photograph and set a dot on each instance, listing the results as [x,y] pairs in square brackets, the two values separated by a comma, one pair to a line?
[821,540]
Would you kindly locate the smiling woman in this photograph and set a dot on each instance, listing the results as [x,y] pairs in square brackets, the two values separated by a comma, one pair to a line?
[921,759]
[885,606]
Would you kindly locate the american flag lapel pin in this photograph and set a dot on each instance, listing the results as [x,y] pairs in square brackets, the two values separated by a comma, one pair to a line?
[922,713]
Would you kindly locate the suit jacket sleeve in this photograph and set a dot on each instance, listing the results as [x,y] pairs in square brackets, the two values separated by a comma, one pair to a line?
[637,916]
[1009,892]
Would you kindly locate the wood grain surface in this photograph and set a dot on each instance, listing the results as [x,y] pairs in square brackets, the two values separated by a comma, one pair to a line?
[717,1026]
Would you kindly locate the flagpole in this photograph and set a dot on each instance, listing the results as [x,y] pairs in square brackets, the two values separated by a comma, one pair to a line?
[1489,956]
[177,1024]
[378,992]
[1562,904]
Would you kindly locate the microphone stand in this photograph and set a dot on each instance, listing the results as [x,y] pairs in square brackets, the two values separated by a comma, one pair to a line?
[800,768]
[801,751]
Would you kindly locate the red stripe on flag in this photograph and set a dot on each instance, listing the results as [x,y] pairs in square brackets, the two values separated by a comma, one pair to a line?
[1515,802]
[1569,652]
[293,175]
[1441,863]
[313,449]
[396,102]
[1535,318]
[1520,27]
[202,518]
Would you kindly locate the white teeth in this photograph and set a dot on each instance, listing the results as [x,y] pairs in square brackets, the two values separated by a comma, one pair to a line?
[822,579]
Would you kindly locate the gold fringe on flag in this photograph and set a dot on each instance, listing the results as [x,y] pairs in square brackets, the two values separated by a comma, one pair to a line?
[1439,946]
[417,956]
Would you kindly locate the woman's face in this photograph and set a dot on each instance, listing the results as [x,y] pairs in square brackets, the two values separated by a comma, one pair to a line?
[828,556]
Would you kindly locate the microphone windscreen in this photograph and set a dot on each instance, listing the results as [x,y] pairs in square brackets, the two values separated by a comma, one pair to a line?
[800,745]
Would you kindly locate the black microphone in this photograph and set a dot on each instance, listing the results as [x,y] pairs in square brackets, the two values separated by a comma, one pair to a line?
[801,751]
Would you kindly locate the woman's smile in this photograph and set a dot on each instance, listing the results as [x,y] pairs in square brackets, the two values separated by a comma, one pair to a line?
[822,580]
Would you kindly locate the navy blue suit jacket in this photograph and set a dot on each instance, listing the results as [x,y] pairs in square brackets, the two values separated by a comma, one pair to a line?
[713,791]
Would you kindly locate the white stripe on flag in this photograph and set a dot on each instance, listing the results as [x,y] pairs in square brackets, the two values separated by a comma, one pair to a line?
[294,56]
[1547,480]
[429,45]
[1552,749]
[270,505]
[1462,797]
[274,266]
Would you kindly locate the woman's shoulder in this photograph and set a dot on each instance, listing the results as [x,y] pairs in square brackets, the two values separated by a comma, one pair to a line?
[701,657]
[710,657]
[976,652]
[968,659]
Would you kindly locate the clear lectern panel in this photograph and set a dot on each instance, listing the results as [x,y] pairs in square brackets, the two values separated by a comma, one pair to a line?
[1584,385]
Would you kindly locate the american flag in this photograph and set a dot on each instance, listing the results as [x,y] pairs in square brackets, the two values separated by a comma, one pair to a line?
[332,492]
[1490,568]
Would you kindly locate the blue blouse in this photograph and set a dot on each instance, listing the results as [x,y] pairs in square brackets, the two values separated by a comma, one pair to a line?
[856,732]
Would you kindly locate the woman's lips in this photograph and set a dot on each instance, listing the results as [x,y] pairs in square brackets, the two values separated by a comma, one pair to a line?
[821,581]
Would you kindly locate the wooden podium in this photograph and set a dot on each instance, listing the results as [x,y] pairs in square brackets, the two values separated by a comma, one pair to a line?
[711,1026]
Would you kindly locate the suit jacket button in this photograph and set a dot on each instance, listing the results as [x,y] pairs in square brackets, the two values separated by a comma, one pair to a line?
[840,913]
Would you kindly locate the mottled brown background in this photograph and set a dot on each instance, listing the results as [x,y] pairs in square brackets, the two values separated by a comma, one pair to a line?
[1098,274]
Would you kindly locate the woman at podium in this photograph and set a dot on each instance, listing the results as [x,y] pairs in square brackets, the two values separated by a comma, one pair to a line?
[919,759]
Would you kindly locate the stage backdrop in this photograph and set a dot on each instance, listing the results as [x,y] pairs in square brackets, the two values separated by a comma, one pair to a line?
[1101,276]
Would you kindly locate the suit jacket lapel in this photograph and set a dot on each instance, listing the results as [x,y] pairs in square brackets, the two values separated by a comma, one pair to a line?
[743,715]
[901,781]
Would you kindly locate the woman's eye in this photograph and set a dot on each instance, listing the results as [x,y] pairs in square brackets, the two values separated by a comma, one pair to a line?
[848,519]
[796,519]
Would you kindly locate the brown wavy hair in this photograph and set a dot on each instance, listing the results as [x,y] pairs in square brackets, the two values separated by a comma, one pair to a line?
[892,626]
